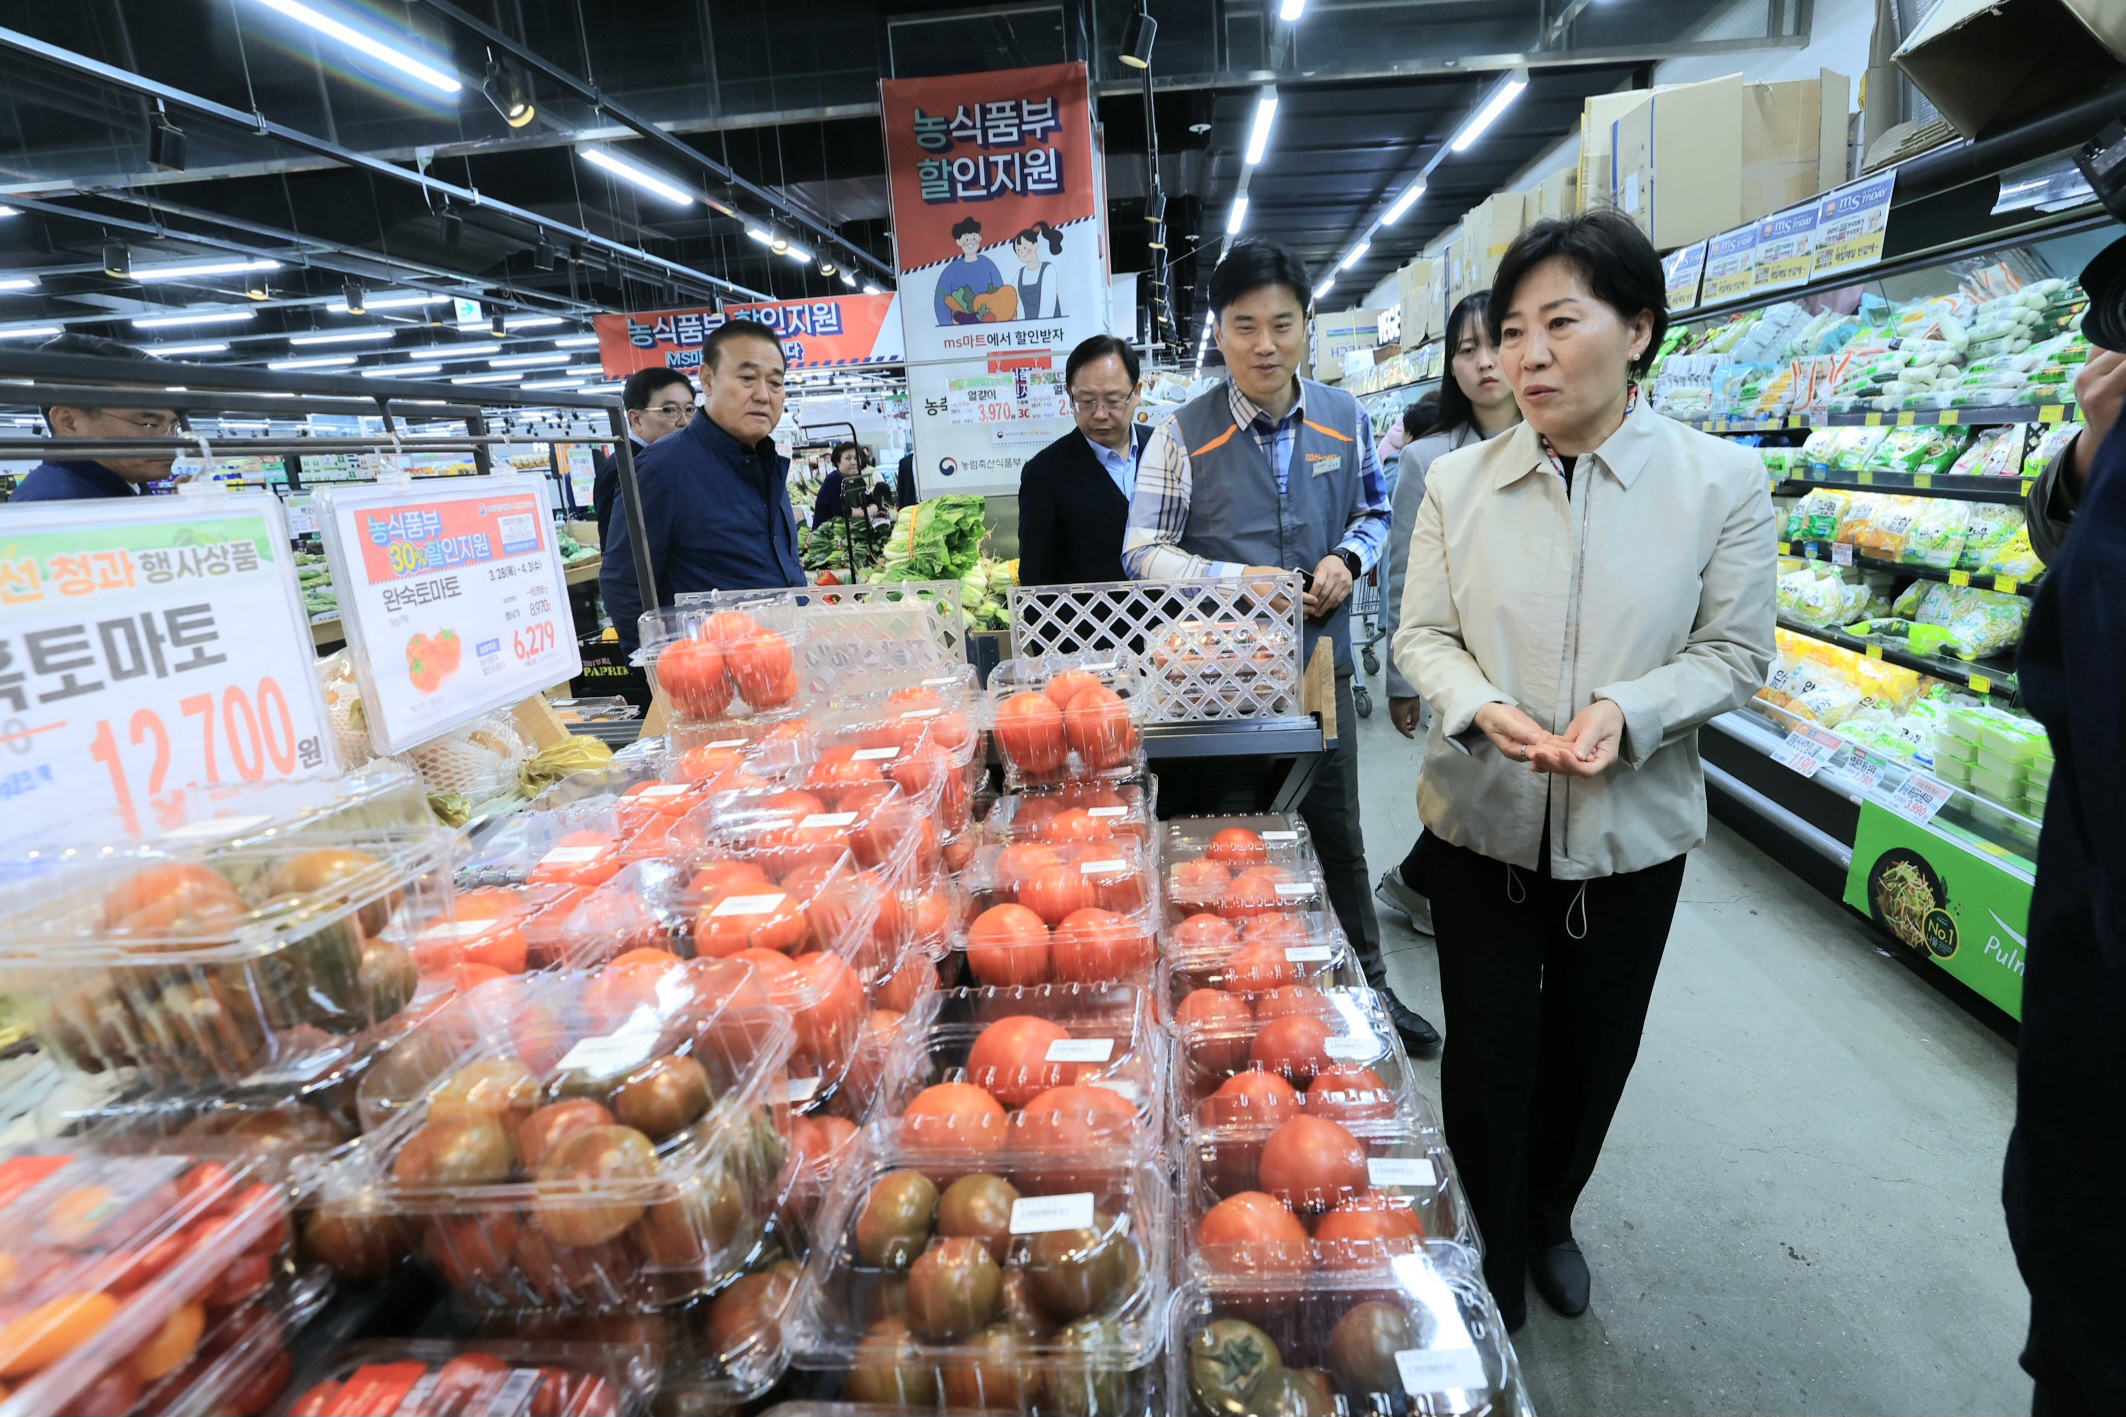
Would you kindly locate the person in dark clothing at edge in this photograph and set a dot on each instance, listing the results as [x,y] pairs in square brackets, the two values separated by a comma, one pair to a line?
[833,488]
[659,402]
[1271,472]
[2061,1187]
[715,497]
[904,483]
[1074,494]
[84,480]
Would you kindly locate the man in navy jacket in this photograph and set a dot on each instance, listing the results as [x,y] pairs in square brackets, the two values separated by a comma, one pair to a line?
[715,496]
[84,479]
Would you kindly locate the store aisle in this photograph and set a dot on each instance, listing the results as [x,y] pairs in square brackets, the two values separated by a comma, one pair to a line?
[1798,1209]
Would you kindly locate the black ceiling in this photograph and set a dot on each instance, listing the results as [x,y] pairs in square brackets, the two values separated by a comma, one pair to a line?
[781,94]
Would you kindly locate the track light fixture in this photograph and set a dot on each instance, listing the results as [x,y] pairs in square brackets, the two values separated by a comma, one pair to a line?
[827,267]
[542,255]
[1155,208]
[779,241]
[671,291]
[495,327]
[255,286]
[357,298]
[1137,40]
[1157,240]
[166,142]
[117,260]
[506,90]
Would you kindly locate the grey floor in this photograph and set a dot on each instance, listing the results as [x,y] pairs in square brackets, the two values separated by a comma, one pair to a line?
[1798,1210]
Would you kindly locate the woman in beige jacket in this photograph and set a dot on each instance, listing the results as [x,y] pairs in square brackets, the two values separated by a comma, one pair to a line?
[1582,593]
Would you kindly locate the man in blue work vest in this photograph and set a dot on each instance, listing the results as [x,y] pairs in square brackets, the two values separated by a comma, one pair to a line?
[1272,472]
[716,511]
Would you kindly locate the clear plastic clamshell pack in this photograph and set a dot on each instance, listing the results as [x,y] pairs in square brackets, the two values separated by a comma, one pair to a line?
[712,664]
[484,1376]
[1073,913]
[271,929]
[1416,1337]
[1068,718]
[1236,1052]
[1071,812]
[589,1141]
[1255,958]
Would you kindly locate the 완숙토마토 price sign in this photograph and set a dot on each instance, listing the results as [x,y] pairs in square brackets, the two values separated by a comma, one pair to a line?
[453,598]
[147,648]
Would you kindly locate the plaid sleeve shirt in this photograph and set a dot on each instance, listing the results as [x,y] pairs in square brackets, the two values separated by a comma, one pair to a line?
[1158,513]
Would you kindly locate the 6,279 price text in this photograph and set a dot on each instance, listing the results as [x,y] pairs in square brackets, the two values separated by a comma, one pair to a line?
[533,640]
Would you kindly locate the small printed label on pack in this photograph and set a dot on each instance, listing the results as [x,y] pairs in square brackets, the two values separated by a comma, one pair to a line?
[1032,1215]
[1430,1370]
[1401,1171]
[748,904]
[826,819]
[1081,1050]
[1309,954]
[874,755]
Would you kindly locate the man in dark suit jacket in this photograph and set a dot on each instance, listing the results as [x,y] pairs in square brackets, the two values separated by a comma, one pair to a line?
[1074,494]
[659,402]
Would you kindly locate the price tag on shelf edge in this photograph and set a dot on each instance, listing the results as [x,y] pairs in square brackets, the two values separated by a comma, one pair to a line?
[452,597]
[1919,797]
[1807,749]
[149,648]
[1866,769]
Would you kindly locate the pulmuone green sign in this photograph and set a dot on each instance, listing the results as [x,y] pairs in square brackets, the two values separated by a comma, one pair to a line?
[1962,907]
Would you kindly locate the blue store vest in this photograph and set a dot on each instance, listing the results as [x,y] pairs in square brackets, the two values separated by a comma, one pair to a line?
[1235,512]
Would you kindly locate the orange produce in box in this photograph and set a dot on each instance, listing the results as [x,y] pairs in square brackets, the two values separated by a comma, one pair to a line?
[1009,1059]
[1297,1047]
[762,666]
[34,1340]
[1052,892]
[957,852]
[1122,886]
[1068,685]
[1225,1019]
[584,858]
[1253,1233]
[1076,826]
[1008,944]
[1030,732]
[956,1114]
[1350,1094]
[750,917]
[691,673]
[722,876]
[1093,946]
[1201,883]
[1295,999]
[839,767]
[725,626]
[817,1139]
[1311,1163]
[884,819]
[1259,967]
[1018,864]
[711,764]
[1098,727]
[1251,1097]
[1252,893]
[1206,933]
[1364,1229]
[916,976]
[1237,846]
[176,898]
[1061,1125]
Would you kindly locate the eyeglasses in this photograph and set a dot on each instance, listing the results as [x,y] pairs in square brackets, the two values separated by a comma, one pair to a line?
[150,425]
[673,410]
[1113,403]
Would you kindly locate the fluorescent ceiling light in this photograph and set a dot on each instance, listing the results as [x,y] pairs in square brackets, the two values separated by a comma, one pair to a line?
[1323,288]
[401,371]
[531,322]
[1403,203]
[353,38]
[761,234]
[202,268]
[10,211]
[18,282]
[1509,89]
[203,347]
[849,279]
[486,378]
[586,371]
[1356,251]
[870,289]
[389,302]
[315,361]
[797,253]
[527,361]
[197,317]
[31,332]
[1291,10]
[554,384]
[641,176]
[342,337]
[576,342]
[451,351]
[1259,132]
[1234,222]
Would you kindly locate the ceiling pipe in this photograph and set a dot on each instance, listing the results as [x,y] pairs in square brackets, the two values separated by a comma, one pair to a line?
[265,127]
[656,136]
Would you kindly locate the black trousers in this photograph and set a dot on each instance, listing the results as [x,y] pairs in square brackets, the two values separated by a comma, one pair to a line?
[1330,811]
[1545,984]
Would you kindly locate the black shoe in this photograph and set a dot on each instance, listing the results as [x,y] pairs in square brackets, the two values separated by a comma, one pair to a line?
[1560,1274]
[1420,1039]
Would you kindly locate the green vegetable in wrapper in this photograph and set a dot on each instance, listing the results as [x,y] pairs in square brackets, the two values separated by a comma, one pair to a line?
[937,540]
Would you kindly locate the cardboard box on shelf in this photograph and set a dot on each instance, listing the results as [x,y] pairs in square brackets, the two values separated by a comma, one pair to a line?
[1457,268]
[1419,285]
[1694,160]
[1598,116]
[1487,230]
[1984,63]
[1557,195]
[1336,334]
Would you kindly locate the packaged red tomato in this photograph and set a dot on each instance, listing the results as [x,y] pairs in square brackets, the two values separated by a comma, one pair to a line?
[1206,886]
[265,932]
[731,753]
[1067,717]
[1242,844]
[931,751]
[504,929]
[590,1141]
[713,663]
[1419,1334]
[1301,1185]
[1296,1047]
[475,1378]
[1256,957]
[116,1267]
[1070,914]
[1076,1068]
[241,1364]
[1070,813]
[980,1282]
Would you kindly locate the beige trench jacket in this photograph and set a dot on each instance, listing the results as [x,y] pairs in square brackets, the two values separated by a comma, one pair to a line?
[1651,586]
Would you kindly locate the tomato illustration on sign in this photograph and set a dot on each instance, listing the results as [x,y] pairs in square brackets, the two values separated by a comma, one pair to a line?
[431,660]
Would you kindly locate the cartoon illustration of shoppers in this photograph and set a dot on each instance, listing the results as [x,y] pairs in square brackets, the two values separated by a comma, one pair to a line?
[966,278]
[1038,300]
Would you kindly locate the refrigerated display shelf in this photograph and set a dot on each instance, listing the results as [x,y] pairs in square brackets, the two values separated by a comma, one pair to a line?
[1994,678]
[1904,418]
[2008,491]
[1826,551]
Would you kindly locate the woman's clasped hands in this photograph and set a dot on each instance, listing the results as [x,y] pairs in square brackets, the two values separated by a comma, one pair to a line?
[1586,748]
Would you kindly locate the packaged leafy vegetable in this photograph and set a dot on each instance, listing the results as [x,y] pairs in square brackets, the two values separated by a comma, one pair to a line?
[1936,537]
[1987,529]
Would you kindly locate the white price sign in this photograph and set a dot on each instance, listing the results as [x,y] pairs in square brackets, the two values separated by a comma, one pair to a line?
[1919,797]
[1807,749]
[452,596]
[149,647]
[1866,769]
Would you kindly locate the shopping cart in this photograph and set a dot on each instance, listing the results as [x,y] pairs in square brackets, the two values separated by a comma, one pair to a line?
[1367,631]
